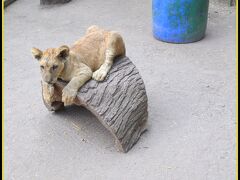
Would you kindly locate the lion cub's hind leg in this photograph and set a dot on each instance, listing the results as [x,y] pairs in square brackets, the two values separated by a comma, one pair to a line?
[115,47]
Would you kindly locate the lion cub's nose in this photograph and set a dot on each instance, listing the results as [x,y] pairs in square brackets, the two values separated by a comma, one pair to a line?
[48,79]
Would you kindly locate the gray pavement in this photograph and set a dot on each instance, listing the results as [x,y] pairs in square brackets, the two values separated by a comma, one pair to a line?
[191,91]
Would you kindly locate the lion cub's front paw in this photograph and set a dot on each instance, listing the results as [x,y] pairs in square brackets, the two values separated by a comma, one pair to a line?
[99,75]
[48,98]
[68,96]
[48,93]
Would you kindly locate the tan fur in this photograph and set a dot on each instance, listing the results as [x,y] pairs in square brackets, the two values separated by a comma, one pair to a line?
[91,56]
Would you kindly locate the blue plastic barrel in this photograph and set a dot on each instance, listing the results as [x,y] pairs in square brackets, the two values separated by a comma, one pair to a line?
[179,21]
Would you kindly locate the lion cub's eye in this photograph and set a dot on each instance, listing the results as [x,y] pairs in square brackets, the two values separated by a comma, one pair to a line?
[55,67]
[42,67]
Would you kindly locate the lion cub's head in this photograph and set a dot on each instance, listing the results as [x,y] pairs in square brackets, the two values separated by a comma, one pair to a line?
[51,62]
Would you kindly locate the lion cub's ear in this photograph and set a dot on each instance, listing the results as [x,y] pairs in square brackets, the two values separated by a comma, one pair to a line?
[37,54]
[63,52]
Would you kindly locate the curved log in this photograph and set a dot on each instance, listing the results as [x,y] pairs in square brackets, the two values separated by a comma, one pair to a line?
[119,102]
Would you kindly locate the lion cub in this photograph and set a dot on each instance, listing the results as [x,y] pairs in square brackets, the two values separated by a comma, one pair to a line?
[90,57]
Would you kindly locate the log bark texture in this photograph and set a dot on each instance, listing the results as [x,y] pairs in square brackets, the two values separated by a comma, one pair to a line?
[48,2]
[119,102]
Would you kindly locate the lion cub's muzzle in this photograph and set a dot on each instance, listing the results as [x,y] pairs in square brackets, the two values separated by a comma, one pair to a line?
[50,81]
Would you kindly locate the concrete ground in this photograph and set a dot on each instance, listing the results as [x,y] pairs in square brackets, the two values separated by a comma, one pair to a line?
[191,91]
